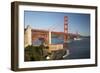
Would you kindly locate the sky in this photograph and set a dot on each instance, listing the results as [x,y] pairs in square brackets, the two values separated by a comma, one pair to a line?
[54,21]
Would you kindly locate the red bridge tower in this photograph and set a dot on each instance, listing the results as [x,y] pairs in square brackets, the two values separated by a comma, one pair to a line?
[65,28]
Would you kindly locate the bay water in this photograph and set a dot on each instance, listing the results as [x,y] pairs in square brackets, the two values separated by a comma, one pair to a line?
[78,49]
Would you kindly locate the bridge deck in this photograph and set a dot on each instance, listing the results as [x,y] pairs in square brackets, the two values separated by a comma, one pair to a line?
[46,31]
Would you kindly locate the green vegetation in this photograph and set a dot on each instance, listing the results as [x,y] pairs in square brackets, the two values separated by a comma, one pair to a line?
[35,53]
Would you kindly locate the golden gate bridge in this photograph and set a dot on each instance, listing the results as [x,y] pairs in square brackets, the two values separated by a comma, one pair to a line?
[32,34]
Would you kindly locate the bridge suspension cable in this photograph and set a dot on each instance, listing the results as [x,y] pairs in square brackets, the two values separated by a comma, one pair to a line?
[53,27]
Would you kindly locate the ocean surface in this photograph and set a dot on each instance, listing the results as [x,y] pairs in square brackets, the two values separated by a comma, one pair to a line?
[78,49]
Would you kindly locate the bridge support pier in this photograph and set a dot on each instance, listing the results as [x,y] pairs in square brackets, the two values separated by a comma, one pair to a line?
[49,37]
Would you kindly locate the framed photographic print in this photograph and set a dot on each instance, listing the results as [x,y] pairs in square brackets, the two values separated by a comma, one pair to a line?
[52,36]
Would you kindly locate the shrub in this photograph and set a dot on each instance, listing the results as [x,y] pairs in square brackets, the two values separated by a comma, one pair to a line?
[35,53]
